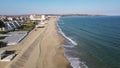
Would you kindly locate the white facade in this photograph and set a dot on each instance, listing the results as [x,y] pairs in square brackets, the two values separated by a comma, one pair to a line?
[10,18]
[43,17]
[36,17]
[11,25]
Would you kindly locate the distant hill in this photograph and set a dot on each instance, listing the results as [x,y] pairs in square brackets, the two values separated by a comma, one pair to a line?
[58,15]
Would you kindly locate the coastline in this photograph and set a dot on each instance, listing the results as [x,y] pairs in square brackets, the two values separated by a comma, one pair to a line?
[47,50]
[68,46]
[62,42]
[69,51]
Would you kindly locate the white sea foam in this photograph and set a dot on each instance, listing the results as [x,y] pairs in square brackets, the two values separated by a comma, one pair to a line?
[75,62]
[68,38]
[68,46]
[73,42]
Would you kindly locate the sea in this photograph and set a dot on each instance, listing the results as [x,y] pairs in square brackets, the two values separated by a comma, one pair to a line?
[91,41]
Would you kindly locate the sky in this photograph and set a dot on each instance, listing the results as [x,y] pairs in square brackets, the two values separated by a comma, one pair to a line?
[17,7]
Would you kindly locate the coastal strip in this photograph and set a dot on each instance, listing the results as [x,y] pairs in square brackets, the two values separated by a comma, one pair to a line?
[42,49]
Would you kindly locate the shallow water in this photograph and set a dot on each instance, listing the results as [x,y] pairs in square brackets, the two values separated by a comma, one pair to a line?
[97,39]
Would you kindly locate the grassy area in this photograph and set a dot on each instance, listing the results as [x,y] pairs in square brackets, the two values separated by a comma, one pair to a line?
[27,26]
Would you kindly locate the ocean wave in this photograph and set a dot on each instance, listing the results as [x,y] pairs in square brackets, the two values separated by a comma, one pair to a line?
[66,37]
[73,58]
[69,52]
[74,62]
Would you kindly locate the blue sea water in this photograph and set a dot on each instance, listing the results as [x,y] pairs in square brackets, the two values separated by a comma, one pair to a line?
[91,41]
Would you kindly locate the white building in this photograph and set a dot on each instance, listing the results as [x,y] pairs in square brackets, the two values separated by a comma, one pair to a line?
[10,18]
[35,17]
[11,25]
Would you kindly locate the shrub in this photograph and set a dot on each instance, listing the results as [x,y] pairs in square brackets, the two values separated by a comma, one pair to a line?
[2,44]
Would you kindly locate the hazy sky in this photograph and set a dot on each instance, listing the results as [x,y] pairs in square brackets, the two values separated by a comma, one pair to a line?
[109,7]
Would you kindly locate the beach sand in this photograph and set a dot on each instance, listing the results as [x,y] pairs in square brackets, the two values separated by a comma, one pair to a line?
[41,49]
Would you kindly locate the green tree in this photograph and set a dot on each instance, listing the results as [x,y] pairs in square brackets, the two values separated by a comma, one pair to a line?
[2,44]
[2,24]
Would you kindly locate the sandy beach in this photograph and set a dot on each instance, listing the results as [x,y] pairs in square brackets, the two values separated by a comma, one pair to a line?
[41,49]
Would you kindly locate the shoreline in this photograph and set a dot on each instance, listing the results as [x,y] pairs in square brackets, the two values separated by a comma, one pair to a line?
[62,43]
[74,61]
[63,62]
[69,52]
[42,55]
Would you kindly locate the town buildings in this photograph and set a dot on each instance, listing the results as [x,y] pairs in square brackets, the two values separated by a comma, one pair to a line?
[11,23]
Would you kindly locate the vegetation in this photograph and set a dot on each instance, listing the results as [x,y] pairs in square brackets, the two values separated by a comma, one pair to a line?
[3,32]
[2,25]
[2,44]
[27,26]
[2,37]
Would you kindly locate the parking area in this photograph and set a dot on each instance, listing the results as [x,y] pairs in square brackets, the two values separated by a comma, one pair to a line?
[14,38]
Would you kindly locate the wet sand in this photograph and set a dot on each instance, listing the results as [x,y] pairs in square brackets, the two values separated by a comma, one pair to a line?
[41,49]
